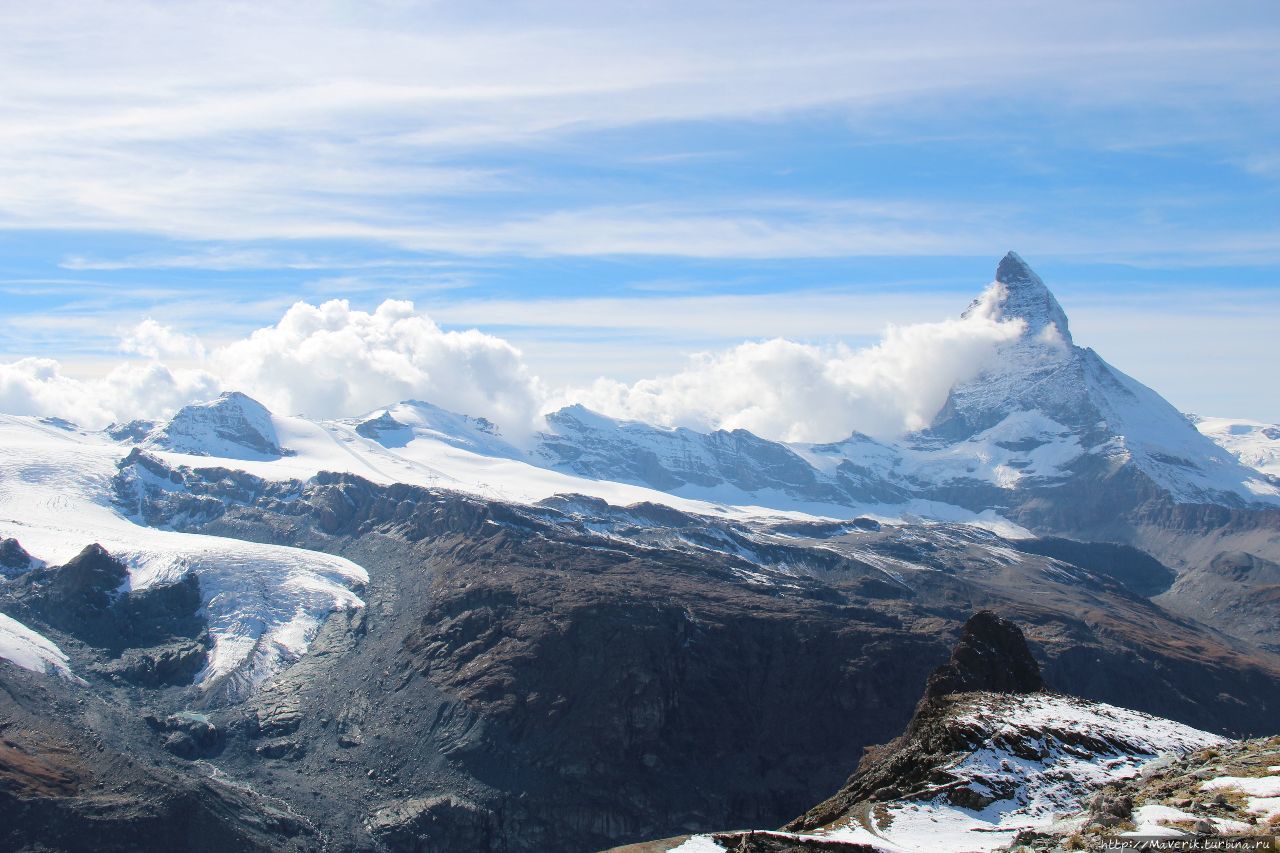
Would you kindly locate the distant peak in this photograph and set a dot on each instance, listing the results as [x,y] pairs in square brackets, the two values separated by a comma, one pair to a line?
[232,425]
[238,398]
[1027,298]
[1013,268]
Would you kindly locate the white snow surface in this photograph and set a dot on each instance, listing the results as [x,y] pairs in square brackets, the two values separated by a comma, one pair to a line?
[31,650]
[423,445]
[1041,790]
[698,844]
[1254,443]
[1263,792]
[1038,792]
[263,603]
[1152,821]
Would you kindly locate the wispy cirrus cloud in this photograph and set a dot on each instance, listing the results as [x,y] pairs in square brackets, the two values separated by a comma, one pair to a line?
[303,121]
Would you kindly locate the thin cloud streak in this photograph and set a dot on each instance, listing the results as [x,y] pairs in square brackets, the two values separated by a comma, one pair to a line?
[294,121]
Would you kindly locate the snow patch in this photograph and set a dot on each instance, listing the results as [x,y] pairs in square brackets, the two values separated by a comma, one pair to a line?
[31,650]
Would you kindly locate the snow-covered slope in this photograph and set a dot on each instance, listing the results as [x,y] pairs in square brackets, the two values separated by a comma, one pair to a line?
[30,650]
[1254,443]
[1048,409]
[263,603]
[1032,760]
[234,426]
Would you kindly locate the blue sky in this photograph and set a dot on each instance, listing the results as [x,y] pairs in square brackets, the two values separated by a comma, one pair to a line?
[610,187]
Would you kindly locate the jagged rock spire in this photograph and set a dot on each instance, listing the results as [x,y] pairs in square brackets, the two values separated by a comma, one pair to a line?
[1027,297]
[992,655]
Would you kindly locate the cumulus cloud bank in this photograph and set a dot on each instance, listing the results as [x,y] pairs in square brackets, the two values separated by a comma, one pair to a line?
[324,361]
[37,386]
[331,360]
[789,391]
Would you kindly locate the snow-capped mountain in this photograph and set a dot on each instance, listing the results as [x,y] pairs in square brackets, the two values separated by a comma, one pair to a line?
[1020,441]
[687,462]
[1063,411]
[59,492]
[234,426]
[1254,443]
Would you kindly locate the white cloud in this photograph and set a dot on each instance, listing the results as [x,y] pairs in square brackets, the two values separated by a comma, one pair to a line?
[788,391]
[37,386]
[153,340]
[305,120]
[331,360]
[325,360]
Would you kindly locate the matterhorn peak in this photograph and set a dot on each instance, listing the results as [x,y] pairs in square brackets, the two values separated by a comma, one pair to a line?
[1026,297]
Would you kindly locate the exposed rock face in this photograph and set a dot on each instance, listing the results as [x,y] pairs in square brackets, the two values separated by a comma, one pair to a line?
[628,670]
[14,560]
[79,775]
[148,637]
[425,824]
[992,656]
[583,674]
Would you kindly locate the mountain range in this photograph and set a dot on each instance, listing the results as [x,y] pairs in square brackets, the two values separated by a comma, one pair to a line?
[407,631]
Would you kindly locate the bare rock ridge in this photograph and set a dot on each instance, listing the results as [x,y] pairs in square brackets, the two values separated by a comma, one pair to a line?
[991,656]
[14,559]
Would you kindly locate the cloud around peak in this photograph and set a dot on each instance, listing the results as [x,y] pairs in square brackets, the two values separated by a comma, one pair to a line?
[332,360]
[325,361]
[791,391]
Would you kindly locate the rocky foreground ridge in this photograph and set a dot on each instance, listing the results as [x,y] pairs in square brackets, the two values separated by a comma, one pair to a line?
[992,760]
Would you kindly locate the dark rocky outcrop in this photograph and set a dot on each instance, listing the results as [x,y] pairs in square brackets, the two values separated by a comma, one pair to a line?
[150,637]
[14,559]
[991,656]
[77,596]
[426,824]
